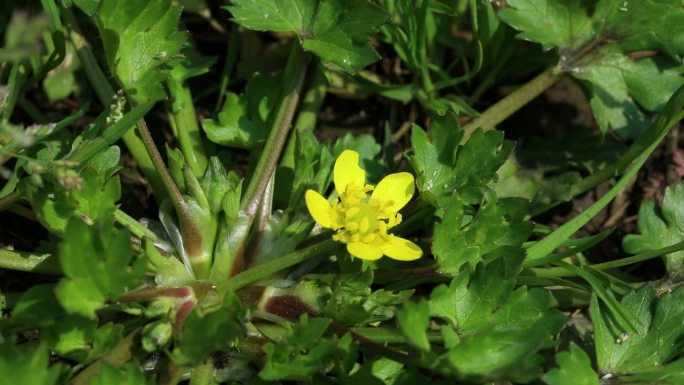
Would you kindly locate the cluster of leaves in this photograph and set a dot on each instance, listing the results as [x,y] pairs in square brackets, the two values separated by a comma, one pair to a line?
[231,282]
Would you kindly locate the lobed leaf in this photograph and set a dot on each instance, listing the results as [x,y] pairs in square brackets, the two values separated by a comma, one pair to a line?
[141,40]
[660,227]
[97,262]
[335,30]
[659,338]
[594,41]
[574,368]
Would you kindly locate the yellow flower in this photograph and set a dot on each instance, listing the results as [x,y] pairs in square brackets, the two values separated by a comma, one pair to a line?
[359,221]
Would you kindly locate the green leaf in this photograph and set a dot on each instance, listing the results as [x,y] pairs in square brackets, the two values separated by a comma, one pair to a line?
[660,227]
[90,192]
[534,184]
[335,30]
[97,263]
[634,26]
[274,15]
[348,298]
[622,88]
[442,168]
[312,170]
[28,364]
[594,42]
[574,368]
[413,320]
[141,40]
[79,338]
[130,374]
[205,333]
[62,81]
[461,240]
[499,328]
[37,305]
[304,351]
[551,23]
[243,119]
[670,374]
[659,338]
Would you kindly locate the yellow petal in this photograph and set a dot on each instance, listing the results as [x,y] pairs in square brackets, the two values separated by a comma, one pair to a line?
[369,252]
[395,188]
[347,171]
[401,249]
[321,210]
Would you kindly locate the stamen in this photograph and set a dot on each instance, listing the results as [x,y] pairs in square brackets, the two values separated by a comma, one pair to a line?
[364,225]
[369,238]
[351,226]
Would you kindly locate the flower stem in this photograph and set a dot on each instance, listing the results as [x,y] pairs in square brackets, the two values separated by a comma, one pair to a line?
[512,103]
[267,269]
[294,79]
[294,76]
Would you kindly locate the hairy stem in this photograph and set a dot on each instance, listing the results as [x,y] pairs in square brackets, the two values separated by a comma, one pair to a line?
[281,127]
[511,103]
[293,82]
[192,237]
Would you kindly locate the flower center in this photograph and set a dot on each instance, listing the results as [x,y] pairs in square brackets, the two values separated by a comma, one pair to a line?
[363,220]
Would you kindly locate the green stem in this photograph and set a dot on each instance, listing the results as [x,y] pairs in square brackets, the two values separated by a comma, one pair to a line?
[122,353]
[136,228]
[267,269]
[306,121]
[15,82]
[600,176]
[231,57]
[187,129]
[251,202]
[34,263]
[192,237]
[511,103]
[312,102]
[281,127]
[31,110]
[105,93]
[563,272]
[421,41]
[644,146]
[9,200]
